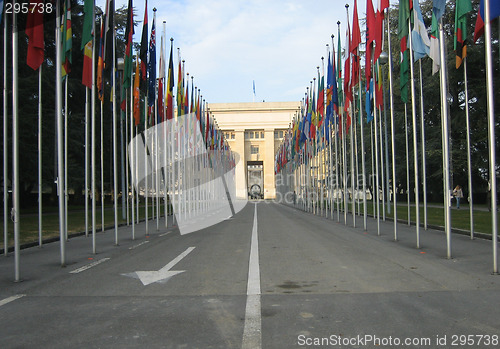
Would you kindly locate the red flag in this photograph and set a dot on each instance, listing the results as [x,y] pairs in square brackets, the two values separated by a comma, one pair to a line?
[379,23]
[87,65]
[34,31]
[370,37]
[356,33]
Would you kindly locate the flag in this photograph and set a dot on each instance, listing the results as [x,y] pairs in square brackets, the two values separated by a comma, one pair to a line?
[180,88]
[129,32]
[370,37]
[67,39]
[321,99]
[143,53]
[434,48]
[368,103]
[339,70]
[438,8]
[420,39]
[34,31]
[462,8]
[87,35]
[335,93]
[404,70]
[1,10]
[329,92]
[347,66]
[152,66]
[378,37]
[170,85]
[87,65]
[355,41]
[137,94]
[404,16]
[494,13]
[107,51]
[161,77]
[100,64]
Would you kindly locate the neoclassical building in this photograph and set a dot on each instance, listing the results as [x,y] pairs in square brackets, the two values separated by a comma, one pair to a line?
[254,131]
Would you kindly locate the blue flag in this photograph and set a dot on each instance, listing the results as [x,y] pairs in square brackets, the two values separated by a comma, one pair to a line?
[152,67]
[368,104]
[438,7]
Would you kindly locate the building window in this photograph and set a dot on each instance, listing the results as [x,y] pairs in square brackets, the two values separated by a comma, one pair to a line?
[278,134]
[254,149]
[262,134]
[257,134]
[232,135]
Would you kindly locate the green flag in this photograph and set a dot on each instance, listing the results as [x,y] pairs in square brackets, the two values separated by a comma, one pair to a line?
[404,15]
[463,7]
[87,30]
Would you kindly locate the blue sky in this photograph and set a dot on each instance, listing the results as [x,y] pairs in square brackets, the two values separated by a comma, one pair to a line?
[228,44]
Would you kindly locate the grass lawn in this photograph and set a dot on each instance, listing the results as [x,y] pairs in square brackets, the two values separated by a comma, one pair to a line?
[76,222]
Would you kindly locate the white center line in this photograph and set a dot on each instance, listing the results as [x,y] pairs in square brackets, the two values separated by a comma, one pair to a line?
[11,299]
[140,244]
[252,336]
[88,266]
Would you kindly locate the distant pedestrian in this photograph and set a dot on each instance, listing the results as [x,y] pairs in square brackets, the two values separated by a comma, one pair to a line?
[458,194]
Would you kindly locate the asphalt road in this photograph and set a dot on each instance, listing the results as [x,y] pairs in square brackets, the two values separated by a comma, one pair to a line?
[270,277]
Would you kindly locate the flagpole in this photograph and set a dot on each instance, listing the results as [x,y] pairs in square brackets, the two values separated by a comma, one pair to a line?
[92,141]
[375,126]
[122,160]
[66,157]
[60,163]
[5,141]
[491,130]
[365,213]
[422,137]
[15,144]
[115,145]
[102,163]
[415,145]
[407,164]
[469,163]
[393,134]
[446,153]
[39,156]
[131,154]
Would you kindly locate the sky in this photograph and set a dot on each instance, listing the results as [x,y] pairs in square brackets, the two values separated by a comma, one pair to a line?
[229,44]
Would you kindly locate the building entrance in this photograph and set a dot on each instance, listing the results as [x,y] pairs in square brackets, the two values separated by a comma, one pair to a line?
[255,179]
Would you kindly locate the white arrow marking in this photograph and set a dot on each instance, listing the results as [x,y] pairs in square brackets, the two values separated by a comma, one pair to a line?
[162,275]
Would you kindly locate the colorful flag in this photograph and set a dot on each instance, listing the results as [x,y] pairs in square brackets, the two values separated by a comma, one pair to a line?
[462,8]
[143,53]
[100,65]
[368,103]
[87,35]
[107,52]
[329,92]
[434,48]
[152,66]
[335,92]
[161,77]
[420,39]
[320,114]
[494,13]
[34,31]
[404,70]
[180,88]
[355,41]
[137,94]
[67,39]
[87,65]
[170,85]
[347,65]
[129,32]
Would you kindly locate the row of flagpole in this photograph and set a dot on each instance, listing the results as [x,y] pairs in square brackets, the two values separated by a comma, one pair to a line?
[176,183]
[302,150]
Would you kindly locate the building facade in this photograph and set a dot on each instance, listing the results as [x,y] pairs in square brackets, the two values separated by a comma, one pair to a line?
[254,132]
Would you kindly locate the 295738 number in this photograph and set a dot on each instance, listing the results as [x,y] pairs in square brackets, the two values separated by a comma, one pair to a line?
[474,340]
[26,7]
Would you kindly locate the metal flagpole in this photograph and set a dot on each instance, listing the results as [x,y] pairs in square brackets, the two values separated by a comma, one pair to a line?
[469,164]
[491,131]
[92,146]
[381,155]
[87,111]
[102,163]
[15,145]
[39,156]
[356,160]
[60,163]
[5,141]
[115,160]
[146,189]
[131,156]
[415,145]
[422,137]
[363,169]
[373,169]
[407,165]
[122,162]
[165,148]
[375,126]
[446,152]
[393,134]
[66,78]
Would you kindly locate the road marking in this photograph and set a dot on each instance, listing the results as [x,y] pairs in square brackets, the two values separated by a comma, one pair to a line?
[135,246]
[11,299]
[252,336]
[88,266]
[168,232]
[162,275]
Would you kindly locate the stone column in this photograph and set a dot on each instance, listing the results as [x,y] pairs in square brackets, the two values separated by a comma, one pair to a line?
[238,147]
[269,183]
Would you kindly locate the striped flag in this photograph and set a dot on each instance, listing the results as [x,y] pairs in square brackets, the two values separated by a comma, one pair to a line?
[462,8]
[87,35]
[67,39]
